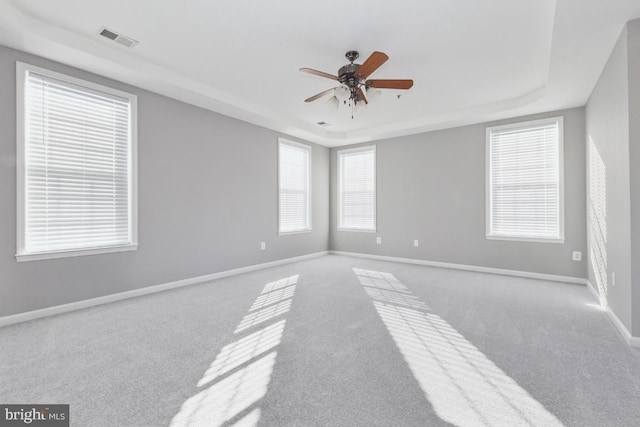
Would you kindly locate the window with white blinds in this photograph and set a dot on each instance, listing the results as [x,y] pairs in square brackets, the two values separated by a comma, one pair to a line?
[525,181]
[76,155]
[357,189]
[294,187]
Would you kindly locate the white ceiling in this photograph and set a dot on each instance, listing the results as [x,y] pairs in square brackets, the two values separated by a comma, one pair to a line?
[471,61]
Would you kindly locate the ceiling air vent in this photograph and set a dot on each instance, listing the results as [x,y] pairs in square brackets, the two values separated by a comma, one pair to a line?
[118,38]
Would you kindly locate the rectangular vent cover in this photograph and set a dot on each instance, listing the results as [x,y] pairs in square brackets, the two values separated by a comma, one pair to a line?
[118,38]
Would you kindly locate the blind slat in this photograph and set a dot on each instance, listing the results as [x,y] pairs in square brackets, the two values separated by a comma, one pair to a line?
[356,173]
[77,172]
[524,181]
[294,187]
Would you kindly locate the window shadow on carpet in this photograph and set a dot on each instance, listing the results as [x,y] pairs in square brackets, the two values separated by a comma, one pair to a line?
[464,387]
[239,377]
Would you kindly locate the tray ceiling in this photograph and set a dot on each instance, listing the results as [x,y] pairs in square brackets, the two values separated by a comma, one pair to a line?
[471,61]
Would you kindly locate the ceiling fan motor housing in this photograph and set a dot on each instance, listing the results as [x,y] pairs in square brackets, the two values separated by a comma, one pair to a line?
[347,75]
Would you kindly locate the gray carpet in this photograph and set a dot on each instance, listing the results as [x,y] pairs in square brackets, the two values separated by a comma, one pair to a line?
[333,341]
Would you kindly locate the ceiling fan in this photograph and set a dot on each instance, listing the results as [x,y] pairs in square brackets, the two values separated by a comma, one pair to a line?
[353,78]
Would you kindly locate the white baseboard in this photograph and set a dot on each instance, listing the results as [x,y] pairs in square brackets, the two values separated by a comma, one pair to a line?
[479,269]
[78,305]
[624,332]
[593,291]
[619,326]
[631,340]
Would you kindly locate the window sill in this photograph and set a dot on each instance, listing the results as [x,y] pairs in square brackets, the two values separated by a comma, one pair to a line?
[357,230]
[74,253]
[525,239]
[286,233]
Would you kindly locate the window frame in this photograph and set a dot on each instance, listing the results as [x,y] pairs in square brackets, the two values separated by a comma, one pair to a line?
[559,120]
[309,229]
[21,255]
[365,148]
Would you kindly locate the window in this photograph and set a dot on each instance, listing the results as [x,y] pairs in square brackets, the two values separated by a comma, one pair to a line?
[357,189]
[294,176]
[525,181]
[76,166]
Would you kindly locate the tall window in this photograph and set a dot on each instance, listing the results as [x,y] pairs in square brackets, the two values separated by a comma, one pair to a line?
[294,176]
[76,166]
[357,189]
[525,181]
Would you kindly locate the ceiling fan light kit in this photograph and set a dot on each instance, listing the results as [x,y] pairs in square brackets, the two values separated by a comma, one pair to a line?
[353,79]
[334,102]
[342,92]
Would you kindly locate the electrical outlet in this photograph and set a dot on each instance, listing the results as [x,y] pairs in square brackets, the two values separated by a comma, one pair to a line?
[577,256]
[416,243]
[263,246]
[613,278]
[379,240]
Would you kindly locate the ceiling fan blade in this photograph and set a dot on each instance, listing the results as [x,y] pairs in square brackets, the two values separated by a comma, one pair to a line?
[319,95]
[319,73]
[361,96]
[375,60]
[390,84]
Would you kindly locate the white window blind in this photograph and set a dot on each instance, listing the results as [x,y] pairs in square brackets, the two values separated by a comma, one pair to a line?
[525,185]
[357,189]
[294,171]
[76,176]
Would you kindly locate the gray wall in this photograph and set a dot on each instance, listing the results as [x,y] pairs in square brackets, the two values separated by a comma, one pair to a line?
[431,187]
[607,118]
[207,197]
[633,50]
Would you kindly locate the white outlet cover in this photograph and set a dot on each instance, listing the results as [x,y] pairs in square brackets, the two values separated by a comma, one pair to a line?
[577,256]
[379,240]
[416,243]
[263,246]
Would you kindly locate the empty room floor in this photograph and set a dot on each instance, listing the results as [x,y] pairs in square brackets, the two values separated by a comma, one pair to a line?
[334,341]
